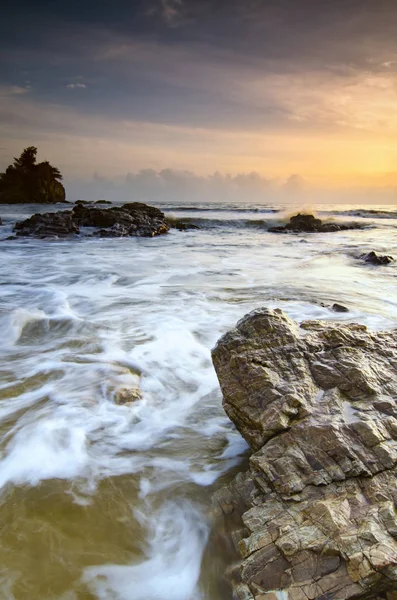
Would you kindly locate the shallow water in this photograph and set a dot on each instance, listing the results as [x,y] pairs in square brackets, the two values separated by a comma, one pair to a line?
[107,501]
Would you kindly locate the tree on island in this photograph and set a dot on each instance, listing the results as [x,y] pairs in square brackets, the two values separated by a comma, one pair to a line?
[26,181]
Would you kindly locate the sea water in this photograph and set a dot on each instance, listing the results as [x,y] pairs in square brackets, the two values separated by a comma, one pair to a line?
[108,501]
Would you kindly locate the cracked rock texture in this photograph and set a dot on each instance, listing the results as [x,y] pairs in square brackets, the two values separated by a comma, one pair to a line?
[315,515]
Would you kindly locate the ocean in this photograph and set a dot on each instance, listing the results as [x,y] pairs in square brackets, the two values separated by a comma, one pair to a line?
[112,501]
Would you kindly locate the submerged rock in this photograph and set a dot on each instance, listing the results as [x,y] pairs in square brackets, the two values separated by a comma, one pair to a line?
[310,224]
[134,219]
[127,395]
[314,517]
[377,259]
[181,225]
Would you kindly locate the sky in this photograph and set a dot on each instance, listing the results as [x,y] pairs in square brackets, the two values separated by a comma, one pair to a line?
[204,97]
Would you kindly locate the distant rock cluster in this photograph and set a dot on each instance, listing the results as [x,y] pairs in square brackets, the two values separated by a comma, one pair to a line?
[302,223]
[377,259]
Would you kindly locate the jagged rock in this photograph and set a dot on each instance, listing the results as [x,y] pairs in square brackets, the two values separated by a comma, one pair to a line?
[316,511]
[102,202]
[310,224]
[377,259]
[134,219]
[58,224]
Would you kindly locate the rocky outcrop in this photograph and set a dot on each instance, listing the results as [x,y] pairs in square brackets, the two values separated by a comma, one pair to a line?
[134,219]
[26,181]
[314,517]
[310,224]
[377,259]
[58,224]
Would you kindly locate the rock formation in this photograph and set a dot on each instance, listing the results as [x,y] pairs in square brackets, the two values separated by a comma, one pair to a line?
[314,517]
[310,224]
[339,308]
[377,259]
[181,225]
[26,181]
[134,219]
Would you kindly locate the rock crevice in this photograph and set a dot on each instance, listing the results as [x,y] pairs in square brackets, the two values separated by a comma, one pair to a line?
[315,514]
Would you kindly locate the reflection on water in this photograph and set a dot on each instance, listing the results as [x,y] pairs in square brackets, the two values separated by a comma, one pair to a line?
[101,500]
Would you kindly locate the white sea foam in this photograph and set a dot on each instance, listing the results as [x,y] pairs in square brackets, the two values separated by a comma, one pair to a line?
[128,313]
[19,318]
[177,535]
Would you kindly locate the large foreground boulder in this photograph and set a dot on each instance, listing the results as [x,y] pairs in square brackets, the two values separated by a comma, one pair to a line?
[302,223]
[133,219]
[315,516]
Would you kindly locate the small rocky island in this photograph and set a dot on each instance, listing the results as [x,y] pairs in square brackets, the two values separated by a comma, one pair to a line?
[28,182]
[302,223]
[314,517]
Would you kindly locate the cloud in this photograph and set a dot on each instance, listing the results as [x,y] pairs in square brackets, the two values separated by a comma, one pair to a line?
[172,11]
[182,186]
[295,184]
[185,187]
[8,91]
[80,143]
[74,86]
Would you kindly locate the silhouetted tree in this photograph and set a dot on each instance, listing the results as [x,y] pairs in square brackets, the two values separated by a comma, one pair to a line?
[27,160]
[27,182]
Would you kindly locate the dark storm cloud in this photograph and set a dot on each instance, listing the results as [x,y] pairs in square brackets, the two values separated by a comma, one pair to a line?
[284,30]
[252,64]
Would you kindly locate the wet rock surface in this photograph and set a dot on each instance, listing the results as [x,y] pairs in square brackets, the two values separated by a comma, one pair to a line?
[127,395]
[134,219]
[181,225]
[336,307]
[301,223]
[377,259]
[59,224]
[314,517]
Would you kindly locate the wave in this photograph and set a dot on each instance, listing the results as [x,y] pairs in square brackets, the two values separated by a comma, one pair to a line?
[203,223]
[251,224]
[223,208]
[365,213]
